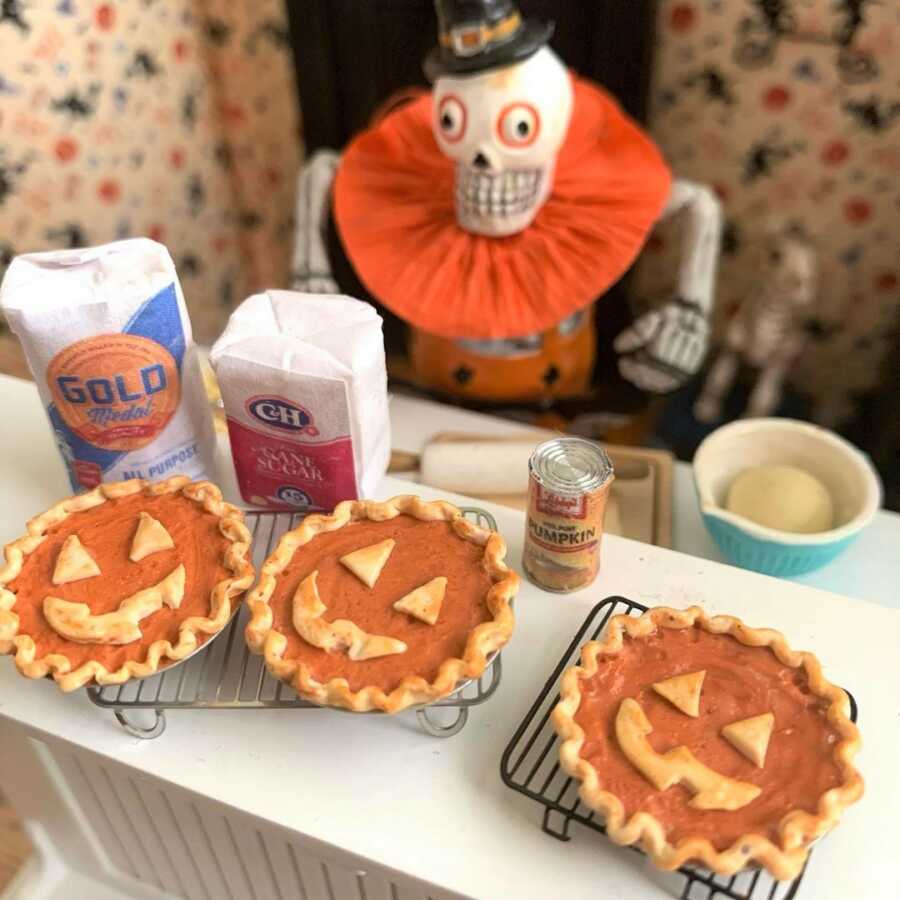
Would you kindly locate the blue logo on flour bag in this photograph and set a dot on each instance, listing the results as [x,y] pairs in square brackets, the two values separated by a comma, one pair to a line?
[115,393]
[285,415]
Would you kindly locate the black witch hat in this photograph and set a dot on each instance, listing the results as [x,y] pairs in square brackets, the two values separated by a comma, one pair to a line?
[474,35]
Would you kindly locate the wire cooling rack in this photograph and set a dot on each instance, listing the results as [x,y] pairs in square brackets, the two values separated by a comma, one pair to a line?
[530,765]
[224,674]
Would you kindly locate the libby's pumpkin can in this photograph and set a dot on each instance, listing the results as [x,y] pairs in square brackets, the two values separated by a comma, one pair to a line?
[569,483]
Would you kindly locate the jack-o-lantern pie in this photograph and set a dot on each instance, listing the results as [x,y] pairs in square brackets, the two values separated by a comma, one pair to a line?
[122,581]
[382,605]
[705,740]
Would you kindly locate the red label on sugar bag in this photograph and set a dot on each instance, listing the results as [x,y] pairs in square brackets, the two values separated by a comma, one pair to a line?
[273,471]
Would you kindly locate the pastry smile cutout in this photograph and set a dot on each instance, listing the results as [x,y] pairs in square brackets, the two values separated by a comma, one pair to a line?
[711,789]
[423,603]
[122,580]
[763,768]
[122,626]
[340,634]
[382,605]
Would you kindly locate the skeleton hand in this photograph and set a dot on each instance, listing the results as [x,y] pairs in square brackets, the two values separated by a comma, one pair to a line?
[664,347]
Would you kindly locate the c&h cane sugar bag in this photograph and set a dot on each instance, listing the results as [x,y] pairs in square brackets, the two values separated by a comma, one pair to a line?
[304,384]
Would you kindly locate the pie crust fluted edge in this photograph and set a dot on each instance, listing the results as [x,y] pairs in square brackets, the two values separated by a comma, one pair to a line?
[483,640]
[798,829]
[235,559]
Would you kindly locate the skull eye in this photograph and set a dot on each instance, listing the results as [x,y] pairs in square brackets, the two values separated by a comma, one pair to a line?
[518,125]
[452,118]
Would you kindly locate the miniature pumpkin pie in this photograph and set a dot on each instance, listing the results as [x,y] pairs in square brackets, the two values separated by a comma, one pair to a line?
[705,740]
[380,606]
[121,581]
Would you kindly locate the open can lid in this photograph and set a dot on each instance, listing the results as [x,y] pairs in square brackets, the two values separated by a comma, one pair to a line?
[570,466]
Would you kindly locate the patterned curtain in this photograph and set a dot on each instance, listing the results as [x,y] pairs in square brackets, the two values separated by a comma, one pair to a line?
[175,119]
[791,108]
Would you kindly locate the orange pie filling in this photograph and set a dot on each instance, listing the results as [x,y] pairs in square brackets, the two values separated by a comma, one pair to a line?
[740,683]
[422,556]
[106,537]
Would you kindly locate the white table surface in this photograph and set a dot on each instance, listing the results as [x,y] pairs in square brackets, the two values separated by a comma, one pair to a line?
[437,809]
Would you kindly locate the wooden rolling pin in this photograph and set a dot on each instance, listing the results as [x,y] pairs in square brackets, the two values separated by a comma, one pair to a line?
[496,470]
[477,467]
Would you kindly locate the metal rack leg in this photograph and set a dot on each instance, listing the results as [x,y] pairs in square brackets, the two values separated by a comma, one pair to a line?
[139,731]
[442,731]
[561,832]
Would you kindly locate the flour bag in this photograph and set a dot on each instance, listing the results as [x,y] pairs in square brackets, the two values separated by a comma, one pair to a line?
[108,340]
[304,384]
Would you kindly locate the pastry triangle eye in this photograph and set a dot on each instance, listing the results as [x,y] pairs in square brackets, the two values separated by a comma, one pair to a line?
[151,537]
[683,691]
[751,736]
[424,603]
[74,562]
[367,562]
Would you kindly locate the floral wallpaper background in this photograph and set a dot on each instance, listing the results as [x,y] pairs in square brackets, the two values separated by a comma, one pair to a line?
[176,119]
[791,108]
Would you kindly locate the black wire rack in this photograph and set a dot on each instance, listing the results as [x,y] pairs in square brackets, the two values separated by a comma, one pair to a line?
[224,674]
[530,765]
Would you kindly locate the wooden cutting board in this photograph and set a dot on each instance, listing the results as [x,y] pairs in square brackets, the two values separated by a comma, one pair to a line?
[640,505]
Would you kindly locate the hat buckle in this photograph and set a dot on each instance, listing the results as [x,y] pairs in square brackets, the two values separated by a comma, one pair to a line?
[468,39]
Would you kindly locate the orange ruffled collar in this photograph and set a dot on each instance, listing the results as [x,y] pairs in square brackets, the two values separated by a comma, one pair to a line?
[394,209]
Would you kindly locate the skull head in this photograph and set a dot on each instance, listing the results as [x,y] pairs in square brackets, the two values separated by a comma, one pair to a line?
[503,128]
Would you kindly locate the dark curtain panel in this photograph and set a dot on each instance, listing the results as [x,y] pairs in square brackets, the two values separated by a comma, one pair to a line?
[351,55]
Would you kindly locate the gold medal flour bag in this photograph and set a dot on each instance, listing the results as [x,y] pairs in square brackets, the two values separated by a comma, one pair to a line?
[305,390]
[108,340]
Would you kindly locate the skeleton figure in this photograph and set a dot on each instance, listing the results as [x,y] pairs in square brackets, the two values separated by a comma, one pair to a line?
[768,331]
[660,351]
[502,102]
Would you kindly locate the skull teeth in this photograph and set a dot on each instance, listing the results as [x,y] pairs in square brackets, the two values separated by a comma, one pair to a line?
[505,194]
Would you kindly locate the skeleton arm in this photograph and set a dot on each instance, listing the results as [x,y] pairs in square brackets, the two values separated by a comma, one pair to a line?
[665,346]
[311,270]
[700,243]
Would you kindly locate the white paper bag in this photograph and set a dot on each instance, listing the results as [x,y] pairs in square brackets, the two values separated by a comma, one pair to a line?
[108,340]
[304,384]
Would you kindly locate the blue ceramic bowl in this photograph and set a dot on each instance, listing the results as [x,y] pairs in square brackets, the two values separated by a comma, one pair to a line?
[849,476]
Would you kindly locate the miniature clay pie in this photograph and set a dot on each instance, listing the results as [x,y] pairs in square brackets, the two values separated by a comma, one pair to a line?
[122,581]
[705,740]
[380,606]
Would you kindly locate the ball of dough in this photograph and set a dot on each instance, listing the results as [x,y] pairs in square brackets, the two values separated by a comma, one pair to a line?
[782,497]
